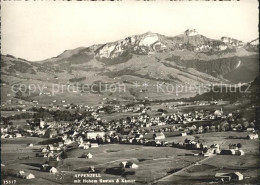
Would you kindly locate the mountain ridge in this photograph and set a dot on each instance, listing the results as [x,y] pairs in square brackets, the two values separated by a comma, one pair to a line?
[197,43]
[188,58]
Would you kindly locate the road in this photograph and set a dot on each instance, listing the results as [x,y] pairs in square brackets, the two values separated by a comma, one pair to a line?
[168,177]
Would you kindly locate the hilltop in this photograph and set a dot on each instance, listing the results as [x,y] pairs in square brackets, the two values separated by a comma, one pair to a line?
[149,58]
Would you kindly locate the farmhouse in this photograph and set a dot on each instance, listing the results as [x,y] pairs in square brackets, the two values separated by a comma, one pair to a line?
[139,136]
[53,170]
[86,147]
[93,145]
[24,175]
[224,177]
[45,167]
[29,176]
[252,136]
[51,133]
[159,136]
[94,135]
[91,169]
[127,164]
[237,176]
[250,129]
[218,113]
[18,135]
[184,134]
[68,141]
[89,155]
[44,150]
[122,164]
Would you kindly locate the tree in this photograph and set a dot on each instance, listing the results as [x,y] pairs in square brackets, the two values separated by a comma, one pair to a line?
[206,129]
[18,94]
[192,132]
[252,125]
[245,124]
[218,128]
[213,128]
[239,127]
[64,155]
[239,145]
[160,110]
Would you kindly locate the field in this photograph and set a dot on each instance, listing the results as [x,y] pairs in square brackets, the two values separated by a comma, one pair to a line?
[248,164]
[156,164]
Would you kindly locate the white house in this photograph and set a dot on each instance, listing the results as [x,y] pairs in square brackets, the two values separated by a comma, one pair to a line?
[93,145]
[53,170]
[252,136]
[127,164]
[24,175]
[89,155]
[250,129]
[94,134]
[159,135]
[18,135]
[29,176]
[184,134]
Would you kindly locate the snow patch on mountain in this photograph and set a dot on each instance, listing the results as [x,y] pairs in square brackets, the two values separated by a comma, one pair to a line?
[148,40]
[151,43]
[106,50]
[232,42]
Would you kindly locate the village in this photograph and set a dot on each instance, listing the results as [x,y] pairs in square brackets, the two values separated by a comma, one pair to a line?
[90,130]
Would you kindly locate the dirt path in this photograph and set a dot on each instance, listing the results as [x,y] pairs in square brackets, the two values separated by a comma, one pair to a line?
[166,178]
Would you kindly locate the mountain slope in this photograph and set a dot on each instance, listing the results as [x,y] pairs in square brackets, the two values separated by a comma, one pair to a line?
[188,58]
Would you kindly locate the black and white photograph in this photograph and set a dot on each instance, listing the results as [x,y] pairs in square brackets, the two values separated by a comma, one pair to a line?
[129,92]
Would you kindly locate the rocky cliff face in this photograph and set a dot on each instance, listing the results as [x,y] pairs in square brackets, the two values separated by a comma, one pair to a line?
[232,42]
[149,43]
[191,32]
[138,44]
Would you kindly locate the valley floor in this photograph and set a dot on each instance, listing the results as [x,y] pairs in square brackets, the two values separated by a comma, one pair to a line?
[159,165]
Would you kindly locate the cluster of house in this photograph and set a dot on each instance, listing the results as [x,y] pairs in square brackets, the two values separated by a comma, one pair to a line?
[47,168]
[152,139]
[128,164]
[134,129]
[24,175]
[252,136]
[208,151]
[53,152]
[233,150]
[5,133]
[190,144]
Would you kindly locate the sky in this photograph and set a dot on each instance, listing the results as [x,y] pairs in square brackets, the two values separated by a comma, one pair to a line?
[37,30]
